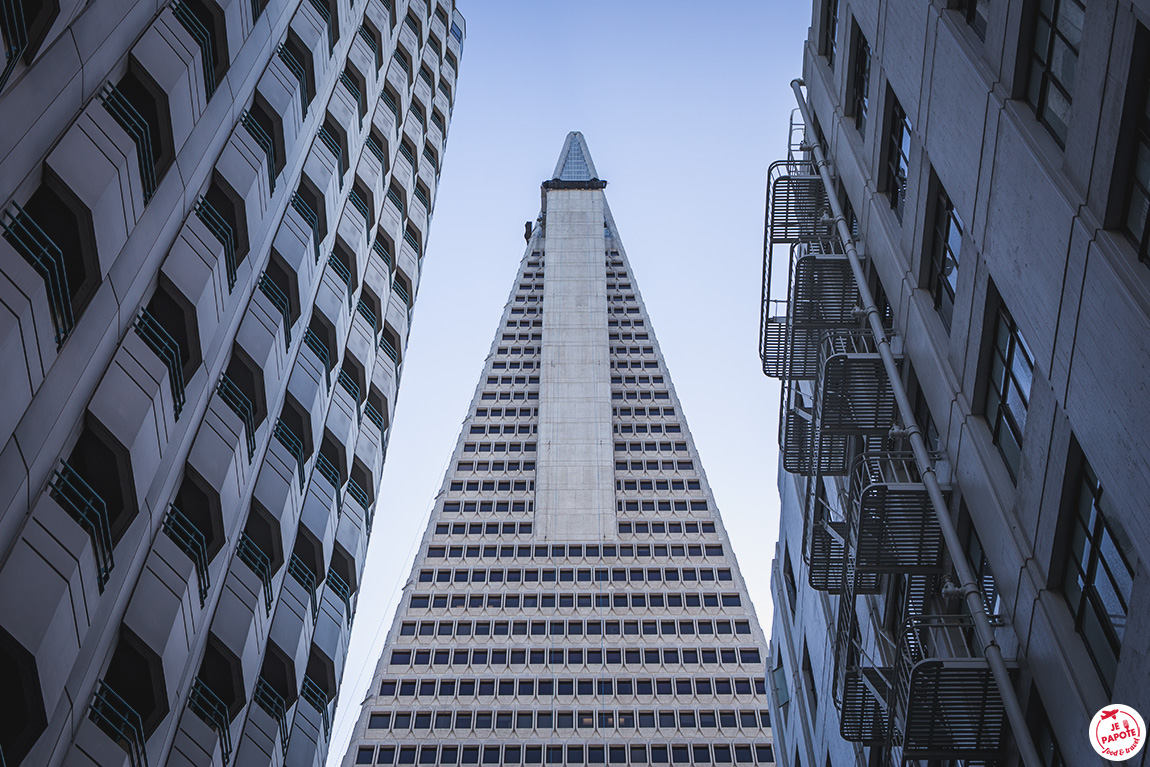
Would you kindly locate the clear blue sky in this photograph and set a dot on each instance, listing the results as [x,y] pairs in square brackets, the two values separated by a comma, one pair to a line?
[683,105]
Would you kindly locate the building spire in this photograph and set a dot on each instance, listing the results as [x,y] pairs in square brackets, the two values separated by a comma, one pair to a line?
[575,160]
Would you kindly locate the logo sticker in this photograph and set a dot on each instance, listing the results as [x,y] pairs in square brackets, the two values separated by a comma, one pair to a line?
[1117,732]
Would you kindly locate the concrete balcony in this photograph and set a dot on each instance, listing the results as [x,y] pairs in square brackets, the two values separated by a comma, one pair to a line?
[307,384]
[165,612]
[263,743]
[361,343]
[351,533]
[172,59]
[332,629]
[220,456]
[242,621]
[309,737]
[196,744]
[370,171]
[398,80]
[312,32]
[320,514]
[195,266]
[353,230]
[384,119]
[281,89]
[293,625]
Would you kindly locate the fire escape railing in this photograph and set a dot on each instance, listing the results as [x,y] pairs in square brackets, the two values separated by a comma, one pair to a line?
[874,507]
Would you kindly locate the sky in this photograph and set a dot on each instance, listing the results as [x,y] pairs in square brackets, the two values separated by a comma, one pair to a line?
[683,105]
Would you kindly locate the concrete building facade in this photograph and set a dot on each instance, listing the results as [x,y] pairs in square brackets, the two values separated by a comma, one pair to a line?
[575,599]
[989,161]
[213,223]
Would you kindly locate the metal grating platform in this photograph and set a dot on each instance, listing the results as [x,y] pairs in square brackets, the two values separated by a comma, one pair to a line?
[892,524]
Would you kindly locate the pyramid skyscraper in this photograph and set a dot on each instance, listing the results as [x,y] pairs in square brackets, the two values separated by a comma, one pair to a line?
[575,598]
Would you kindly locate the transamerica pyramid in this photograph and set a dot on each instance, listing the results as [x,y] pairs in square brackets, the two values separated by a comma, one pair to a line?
[575,599]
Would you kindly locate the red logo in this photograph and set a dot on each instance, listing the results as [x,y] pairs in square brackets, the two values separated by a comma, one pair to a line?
[1117,732]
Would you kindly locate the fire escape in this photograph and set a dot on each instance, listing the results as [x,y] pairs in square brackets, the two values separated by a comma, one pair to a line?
[917,686]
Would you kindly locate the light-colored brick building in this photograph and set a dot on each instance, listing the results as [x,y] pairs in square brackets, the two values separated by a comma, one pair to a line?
[575,599]
[989,159]
[213,222]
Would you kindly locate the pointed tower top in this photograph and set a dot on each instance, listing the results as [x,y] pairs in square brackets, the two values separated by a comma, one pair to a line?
[575,160]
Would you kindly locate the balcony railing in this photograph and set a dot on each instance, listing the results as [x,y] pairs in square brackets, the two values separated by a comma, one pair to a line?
[85,505]
[120,722]
[261,137]
[377,150]
[133,123]
[360,205]
[203,38]
[321,8]
[260,563]
[279,301]
[395,200]
[296,68]
[15,30]
[315,697]
[353,89]
[193,543]
[286,437]
[348,384]
[310,217]
[374,416]
[326,470]
[389,102]
[342,591]
[359,495]
[401,294]
[381,249]
[222,231]
[207,706]
[369,39]
[389,350]
[892,527]
[344,275]
[336,150]
[272,702]
[161,342]
[409,238]
[366,312]
[319,349]
[945,704]
[26,236]
[234,398]
[306,578]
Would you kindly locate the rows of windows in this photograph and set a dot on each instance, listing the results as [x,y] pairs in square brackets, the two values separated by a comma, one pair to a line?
[641,753]
[624,350]
[655,466]
[524,350]
[487,507]
[499,447]
[641,380]
[668,656]
[512,381]
[479,528]
[464,466]
[643,412]
[504,396]
[603,721]
[582,575]
[619,600]
[577,551]
[639,447]
[491,486]
[625,323]
[508,412]
[567,687]
[526,365]
[651,484]
[521,337]
[636,365]
[576,628]
[666,528]
[522,428]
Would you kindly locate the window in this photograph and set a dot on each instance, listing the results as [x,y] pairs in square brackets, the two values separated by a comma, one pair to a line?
[789,579]
[1136,221]
[976,13]
[1011,372]
[860,79]
[1042,732]
[830,31]
[1054,63]
[1099,574]
[897,154]
[945,248]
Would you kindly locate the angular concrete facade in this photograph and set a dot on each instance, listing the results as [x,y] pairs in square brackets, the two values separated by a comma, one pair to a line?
[575,599]
[992,175]
[213,226]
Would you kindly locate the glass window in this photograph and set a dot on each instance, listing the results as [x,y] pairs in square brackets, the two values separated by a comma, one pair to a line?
[945,250]
[1054,62]
[1137,220]
[976,13]
[1099,576]
[830,30]
[1011,371]
[860,80]
[897,155]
